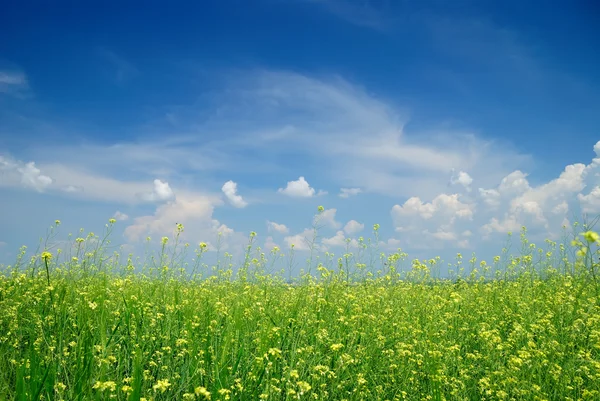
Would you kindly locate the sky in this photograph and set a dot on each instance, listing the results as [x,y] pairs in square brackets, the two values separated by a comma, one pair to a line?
[449,124]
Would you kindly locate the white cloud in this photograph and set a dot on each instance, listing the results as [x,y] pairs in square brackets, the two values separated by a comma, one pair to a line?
[362,146]
[591,202]
[280,228]
[539,207]
[120,216]
[430,222]
[443,235]
[195,212]
[463,179]
[353,227]
[443,204]
[270,244]
[167,215]
[298,189]
[16,173]
[230,191]
[339,240]
[162,192]
[327,217]
[300,241]
[347,192]
[392,244]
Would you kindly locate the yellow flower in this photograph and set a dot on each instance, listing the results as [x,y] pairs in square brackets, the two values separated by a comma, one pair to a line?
[304,387]
[164,240]
[202,391]
[321,209]
[336,347]
[591,236]
[112,221]
[162,385]
[46,256]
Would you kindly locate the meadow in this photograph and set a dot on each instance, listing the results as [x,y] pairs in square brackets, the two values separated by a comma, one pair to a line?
[83,323]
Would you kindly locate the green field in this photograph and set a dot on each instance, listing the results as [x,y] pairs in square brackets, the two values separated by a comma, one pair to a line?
[88,325]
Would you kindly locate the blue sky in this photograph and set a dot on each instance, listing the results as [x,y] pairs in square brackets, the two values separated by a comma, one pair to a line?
[448,123]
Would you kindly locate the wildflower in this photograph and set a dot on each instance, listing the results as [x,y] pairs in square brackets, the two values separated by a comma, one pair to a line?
[336,347]
[164,240]
[46,256]
[304,387]
[591,236]
[321,209]
[109,385]
[376,227]
[162,385]
[202,391]
[112,221]
[57,222]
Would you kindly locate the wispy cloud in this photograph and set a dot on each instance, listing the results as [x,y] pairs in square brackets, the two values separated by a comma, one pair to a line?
[123,70]
[348,192]
[339,137]
[13,82]
[365,13]
[334,130]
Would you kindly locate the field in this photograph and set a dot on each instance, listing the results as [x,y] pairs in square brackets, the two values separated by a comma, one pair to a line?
[86,325]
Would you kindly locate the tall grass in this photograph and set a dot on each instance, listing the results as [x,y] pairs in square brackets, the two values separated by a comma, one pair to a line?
[84,324]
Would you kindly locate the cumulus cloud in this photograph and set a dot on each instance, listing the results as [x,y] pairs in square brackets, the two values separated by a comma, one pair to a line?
[391,244]
[347,192]
[353,227]
[27,175]
[167,215]
[339,240]
[298,189]
[462,178]
[456,220]
[195,212]
[590,203]
[280,228]
[447,205]
[270,244]
[300,241]
[230,191]
[327,217]
[161,192]
[541,207]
